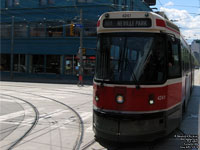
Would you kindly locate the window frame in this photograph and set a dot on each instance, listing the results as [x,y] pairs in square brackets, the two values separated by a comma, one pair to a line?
[173,41]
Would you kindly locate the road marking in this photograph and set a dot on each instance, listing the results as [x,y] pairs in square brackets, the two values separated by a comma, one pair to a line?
[15,114]
[55,123]
[28,121]
[86,115]
[89,129]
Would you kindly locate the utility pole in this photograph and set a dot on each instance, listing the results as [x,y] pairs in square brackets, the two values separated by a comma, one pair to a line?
[81,44]
[12,48]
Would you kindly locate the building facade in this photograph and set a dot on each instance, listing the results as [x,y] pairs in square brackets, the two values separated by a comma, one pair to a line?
[42,37]
[195,46]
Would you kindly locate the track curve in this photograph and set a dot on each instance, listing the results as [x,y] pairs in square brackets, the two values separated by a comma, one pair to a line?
[33,124]
[81,124]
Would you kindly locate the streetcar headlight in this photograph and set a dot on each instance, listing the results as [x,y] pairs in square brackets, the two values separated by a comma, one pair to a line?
[97,98]
[151,99]
[119,99]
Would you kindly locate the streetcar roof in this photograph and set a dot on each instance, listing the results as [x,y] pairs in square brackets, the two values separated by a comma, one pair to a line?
[136,21]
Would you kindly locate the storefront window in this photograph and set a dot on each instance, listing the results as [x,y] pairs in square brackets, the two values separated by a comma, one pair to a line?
[37,63]
[43,2]
[69,65]
[19,63]
[9,3]
[5,30]
[20,30]
[90,29]
[16,2]
[37,30]
[50,2]
[53,64]
[4,62]
[85,1]
[89,65]
[54,30]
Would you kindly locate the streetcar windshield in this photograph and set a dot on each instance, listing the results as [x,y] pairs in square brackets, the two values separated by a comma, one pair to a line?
[131,58]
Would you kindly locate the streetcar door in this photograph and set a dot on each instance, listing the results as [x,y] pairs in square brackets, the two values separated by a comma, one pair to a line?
[174,58]
[174,67]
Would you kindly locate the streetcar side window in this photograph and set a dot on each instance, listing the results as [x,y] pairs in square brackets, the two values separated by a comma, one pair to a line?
[174,64]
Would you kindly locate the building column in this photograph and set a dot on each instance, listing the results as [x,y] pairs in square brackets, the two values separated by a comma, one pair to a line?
[45,63]
[64,30]
[27,63]
[62,64]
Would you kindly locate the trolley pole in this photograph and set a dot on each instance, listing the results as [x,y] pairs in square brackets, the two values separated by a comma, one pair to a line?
[12,48]
[81,45]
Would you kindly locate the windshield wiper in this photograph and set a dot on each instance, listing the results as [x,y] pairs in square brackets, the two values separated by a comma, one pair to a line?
[133,76]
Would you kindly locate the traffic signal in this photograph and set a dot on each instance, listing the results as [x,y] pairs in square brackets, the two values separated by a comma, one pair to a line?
[72,29]
[84,51]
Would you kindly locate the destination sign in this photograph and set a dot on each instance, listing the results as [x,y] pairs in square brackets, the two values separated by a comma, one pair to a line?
[127,23]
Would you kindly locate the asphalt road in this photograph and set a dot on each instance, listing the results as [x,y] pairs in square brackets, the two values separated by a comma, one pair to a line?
[59,117]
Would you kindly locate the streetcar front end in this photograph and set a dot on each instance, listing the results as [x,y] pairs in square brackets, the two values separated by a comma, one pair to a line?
[133,97]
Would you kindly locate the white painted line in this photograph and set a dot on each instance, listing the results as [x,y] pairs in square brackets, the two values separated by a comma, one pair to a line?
[86,115]
[89,129]
[15,114]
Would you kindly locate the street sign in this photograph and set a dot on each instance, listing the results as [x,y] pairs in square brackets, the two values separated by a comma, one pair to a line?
[78,25]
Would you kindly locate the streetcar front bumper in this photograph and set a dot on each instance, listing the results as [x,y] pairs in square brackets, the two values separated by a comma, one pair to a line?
[132,128]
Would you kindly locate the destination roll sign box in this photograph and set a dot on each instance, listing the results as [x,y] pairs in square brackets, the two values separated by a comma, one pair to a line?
[127,23]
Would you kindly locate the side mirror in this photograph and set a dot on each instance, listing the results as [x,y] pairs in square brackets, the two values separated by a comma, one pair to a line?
[172,38]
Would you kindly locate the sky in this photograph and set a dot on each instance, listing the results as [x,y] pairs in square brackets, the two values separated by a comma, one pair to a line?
[185,14]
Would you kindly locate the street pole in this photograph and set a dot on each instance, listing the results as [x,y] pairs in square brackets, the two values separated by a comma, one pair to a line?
[81,43]
[12,48]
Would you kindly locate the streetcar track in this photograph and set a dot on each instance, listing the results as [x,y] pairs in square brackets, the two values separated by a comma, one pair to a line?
[86,146]
[81,124]
[33,124]
[90,143]
[12,127]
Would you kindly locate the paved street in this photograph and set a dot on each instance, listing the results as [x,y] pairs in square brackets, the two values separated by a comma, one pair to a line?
[59,117]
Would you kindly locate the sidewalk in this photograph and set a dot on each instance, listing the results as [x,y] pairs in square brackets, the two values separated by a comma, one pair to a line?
[61,79]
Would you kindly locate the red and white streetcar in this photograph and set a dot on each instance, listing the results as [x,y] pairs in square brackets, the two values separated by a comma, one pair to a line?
[143,79]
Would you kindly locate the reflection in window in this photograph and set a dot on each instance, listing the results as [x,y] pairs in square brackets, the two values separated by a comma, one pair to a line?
[5,30]
[19,63]
[131,5]
[53,64]
[16,2]
[46,2]
[54,30]
[89,65]
[4,62]
[51,2]
[20,30]
[173,59]
[69,65]
[37,30]
[85,1]
[9,3]
[37,64]
[43,2]
[90,29]
[138,58]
